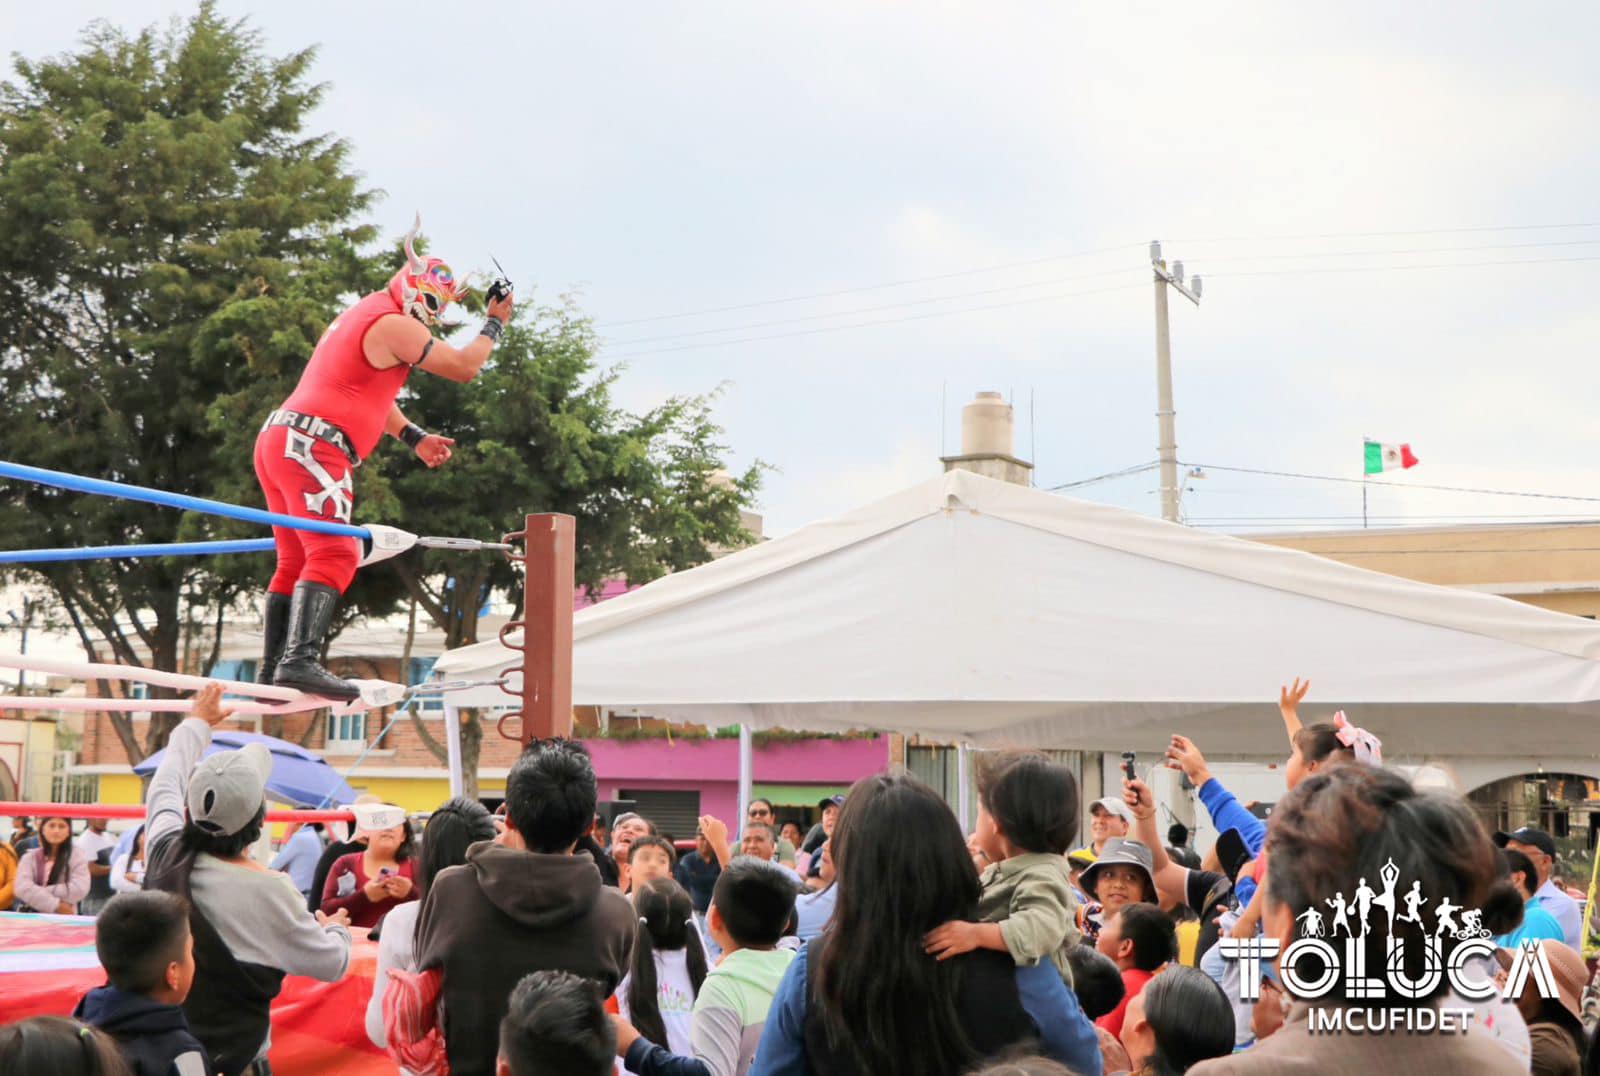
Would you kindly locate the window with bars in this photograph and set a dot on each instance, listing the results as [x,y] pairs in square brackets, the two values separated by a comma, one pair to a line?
[346,733]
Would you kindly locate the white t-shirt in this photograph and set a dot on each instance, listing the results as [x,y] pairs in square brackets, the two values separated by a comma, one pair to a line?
[94,843]
[396,949]
[675,996]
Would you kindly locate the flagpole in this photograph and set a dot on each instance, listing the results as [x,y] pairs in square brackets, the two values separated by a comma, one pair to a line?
[1364,442]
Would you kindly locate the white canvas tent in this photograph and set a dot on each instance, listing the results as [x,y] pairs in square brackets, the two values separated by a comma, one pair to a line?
[971,609]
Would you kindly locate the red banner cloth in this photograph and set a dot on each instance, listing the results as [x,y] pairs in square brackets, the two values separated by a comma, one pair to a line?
[316,1027]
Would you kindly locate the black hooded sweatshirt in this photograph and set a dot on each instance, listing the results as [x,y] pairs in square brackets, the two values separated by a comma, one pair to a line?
[152,1037]
[505,913]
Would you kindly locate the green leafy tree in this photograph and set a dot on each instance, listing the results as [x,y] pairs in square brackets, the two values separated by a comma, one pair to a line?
[538,431]
[175,242]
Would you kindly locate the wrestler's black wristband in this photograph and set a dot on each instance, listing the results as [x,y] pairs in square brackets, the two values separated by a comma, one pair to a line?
[492,328]
[413,434]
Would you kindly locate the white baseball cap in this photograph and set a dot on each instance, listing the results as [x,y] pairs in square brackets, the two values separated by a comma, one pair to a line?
[372,817]
[1113,805]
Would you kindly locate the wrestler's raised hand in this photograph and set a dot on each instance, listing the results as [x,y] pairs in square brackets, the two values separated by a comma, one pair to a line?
[500,309]
[434,449]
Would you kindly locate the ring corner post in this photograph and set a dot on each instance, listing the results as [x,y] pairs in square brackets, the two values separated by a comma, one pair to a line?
[551,547]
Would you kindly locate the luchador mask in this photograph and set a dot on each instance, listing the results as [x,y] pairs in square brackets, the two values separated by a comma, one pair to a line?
[426,285]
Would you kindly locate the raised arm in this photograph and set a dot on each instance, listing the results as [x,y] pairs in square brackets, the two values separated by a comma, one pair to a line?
[716,831]
[164,804]
[1171,878]
[1289,707]
[396,340]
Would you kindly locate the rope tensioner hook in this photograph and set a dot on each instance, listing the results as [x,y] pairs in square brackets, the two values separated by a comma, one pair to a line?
[444,687]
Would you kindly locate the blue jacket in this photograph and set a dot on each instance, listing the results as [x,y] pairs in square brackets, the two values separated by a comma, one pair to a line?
[1066,1034]
[1228,813]
[154,1038]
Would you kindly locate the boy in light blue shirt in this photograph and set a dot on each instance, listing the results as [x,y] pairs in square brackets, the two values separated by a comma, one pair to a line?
[1537,922]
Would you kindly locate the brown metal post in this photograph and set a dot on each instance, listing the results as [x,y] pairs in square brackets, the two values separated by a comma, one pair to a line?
[551,550]
[543,678]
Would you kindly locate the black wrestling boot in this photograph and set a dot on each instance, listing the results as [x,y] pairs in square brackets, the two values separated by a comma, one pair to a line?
[277,630]
[309,617]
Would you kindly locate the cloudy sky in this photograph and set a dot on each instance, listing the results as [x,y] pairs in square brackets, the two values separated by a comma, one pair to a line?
[886,207]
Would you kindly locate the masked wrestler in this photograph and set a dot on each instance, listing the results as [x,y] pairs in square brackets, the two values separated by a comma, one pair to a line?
[343,405]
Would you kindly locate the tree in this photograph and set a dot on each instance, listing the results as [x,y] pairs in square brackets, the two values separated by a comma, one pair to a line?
[175,244]
[538,431]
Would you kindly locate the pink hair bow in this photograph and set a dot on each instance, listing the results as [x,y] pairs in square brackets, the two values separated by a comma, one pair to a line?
[1368,748]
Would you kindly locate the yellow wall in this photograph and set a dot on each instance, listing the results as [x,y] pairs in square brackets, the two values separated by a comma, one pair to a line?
[121,788]
[417,793]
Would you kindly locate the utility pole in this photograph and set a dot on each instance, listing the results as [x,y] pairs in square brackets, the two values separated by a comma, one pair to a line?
[1166,416]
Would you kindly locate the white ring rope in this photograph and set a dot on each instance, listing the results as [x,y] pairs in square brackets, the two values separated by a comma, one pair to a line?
[375,694]
[85,670]
[244,708]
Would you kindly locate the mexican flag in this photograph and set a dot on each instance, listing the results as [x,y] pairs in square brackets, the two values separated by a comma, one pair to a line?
[1380,458]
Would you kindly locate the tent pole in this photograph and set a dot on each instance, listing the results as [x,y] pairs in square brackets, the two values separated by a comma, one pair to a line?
[746,774]
[964,786]
[452,739]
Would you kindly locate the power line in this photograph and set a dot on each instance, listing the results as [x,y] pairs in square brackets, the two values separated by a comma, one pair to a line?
[1375,235]
[1356,521]
[1130,246]
[1337,553]
[1094,276]
[1209,260]
[1126,472]
[1387,268]
[1395,485]
[1286,520]
[876,287]
[869,324]
[876,309]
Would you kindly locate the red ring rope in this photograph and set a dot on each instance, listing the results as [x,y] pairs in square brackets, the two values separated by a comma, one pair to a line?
[15,808]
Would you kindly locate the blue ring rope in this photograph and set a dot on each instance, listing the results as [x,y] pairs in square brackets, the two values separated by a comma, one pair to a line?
[101,487]
[113,552]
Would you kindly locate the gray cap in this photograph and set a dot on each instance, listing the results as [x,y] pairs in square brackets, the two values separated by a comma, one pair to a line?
[1121,851]
[228,788]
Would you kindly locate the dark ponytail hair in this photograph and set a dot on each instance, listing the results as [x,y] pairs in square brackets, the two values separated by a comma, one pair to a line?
[1319,742]
[1190,1018]
[666,922]
[56,1044]
[885,1005]
[455,825]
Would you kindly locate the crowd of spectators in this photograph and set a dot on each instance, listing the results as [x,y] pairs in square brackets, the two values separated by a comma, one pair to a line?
[884,940]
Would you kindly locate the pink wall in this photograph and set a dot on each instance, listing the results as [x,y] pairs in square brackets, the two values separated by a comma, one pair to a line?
[712,766]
